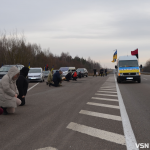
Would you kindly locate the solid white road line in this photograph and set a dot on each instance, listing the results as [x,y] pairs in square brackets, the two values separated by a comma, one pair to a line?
[106,99]
[128,132]
[106,95]
[103,105]
[106,91]
[101,115]
[47,148]
[32,87]
[105,135]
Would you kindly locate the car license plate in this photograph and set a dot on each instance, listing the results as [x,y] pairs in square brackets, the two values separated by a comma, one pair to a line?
[32,78]
[129,78]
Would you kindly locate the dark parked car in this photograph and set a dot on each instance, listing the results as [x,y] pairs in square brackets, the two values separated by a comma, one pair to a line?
[83,71]
[4,69]
[46,73]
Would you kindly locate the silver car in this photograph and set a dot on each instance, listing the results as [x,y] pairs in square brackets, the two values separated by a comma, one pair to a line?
[36,74]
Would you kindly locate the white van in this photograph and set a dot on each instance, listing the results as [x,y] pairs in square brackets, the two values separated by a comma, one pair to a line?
[65,70]
[128,69]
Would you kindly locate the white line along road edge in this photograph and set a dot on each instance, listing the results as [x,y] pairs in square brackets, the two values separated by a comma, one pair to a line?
[128,132]
[32,87]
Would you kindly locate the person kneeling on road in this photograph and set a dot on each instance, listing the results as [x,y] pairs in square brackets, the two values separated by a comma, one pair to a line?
[79,75]
[68,76]
[74,76]
[22,84]
[9,91]
[57,78]
[50,78]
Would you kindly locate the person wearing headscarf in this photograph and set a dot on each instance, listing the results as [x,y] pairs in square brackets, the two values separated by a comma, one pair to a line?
[9,91]
[22,84]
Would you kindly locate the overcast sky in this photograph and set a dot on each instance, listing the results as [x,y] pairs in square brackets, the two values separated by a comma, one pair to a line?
[82,27]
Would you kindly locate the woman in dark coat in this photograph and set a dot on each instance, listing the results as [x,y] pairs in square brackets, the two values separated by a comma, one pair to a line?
[22,84]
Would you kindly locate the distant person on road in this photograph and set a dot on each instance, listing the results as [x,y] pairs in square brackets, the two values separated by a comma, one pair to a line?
[80,75]
[74,76]
[57,78]
[22,84]
[1,110]
[68,76]
[102,72]
[9,91]
[94,72]
[106,71]
[50,79]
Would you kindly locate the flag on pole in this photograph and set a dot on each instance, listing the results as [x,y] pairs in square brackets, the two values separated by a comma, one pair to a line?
[52,68]
[29,65]
[114,56]
[135,52]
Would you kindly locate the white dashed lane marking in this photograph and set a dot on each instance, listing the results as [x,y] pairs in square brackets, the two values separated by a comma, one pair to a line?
[106,99]
[103,105]
[47,148]
[106,94]
[105,135]
[101,115]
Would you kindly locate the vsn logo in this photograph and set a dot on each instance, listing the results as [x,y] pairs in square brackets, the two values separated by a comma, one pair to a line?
[142,145]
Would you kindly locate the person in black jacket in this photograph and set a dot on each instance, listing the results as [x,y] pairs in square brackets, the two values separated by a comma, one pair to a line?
[57,78]
[22,84]
[68,76]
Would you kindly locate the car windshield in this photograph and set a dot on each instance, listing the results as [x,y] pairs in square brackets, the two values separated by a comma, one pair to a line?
[64,69]
[35,71]
[5,68]
[80,70]
[128,63]
[46,72]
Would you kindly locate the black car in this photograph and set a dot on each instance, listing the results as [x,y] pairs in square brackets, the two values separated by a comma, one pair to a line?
[83,71]
[4,69]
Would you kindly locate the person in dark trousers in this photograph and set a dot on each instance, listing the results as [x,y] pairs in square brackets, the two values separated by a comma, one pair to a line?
[74,76]
[68,76]
[94,72]
[57,78]
[1,111]
[22,84]
[106,71]
[102,72]
[79,75]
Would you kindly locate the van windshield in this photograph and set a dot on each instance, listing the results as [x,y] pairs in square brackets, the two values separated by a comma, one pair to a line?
[128,63]
[35,71]
[64,69]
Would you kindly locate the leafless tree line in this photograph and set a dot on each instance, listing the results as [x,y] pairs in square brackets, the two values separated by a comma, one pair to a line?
[147,66]
[15,50]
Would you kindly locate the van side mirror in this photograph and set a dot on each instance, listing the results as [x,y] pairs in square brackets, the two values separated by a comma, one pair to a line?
[141,66]
[116,67]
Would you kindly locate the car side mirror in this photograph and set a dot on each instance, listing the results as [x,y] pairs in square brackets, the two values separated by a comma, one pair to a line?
[116,67]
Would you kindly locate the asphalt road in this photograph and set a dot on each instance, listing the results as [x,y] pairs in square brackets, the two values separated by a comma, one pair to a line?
[79,115]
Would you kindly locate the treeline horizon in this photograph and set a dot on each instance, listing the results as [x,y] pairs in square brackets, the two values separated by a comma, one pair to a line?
[147,66]
[15,50]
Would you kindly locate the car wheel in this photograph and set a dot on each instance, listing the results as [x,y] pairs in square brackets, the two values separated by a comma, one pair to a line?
[139,81]
[118,81]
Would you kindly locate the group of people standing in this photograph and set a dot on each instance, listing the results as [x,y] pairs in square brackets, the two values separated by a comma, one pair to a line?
[13,89]
[103,72]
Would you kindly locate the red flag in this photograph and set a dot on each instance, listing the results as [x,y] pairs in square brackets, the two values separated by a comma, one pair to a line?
[135,52]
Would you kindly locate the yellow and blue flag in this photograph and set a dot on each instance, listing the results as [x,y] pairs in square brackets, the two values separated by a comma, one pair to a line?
[29,65]
[115,56]
[52,68]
